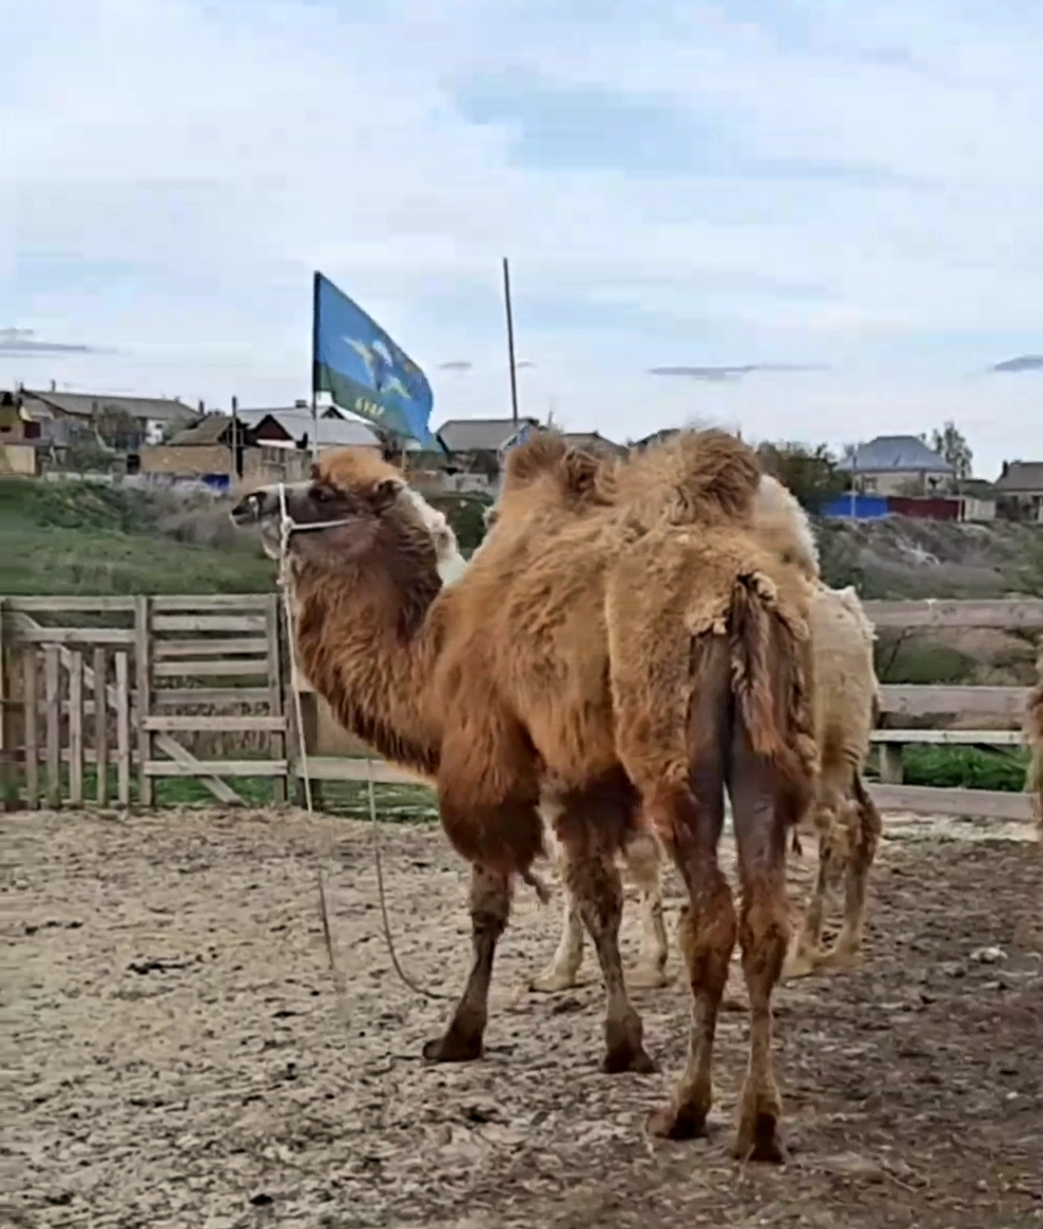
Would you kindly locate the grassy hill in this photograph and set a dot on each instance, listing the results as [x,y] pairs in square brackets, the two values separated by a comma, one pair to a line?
[70,537]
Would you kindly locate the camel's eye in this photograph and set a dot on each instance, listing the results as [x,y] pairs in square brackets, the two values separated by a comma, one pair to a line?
[322,495]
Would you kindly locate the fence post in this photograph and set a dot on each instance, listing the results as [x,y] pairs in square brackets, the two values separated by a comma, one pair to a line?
[101,726]
[8,754]
[142,657]
[32,746]
[278,742]
[76,727]
[53,683]
[122,729]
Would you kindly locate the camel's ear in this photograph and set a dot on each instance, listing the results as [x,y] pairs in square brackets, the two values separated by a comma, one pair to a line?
[384,493]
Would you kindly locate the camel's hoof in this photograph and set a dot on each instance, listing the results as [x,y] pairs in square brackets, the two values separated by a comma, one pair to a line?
[678,1122]
[758,1139]
[838,958]
[627,1058]
[453,1048]
[799,964]
[649,977]
[553,981]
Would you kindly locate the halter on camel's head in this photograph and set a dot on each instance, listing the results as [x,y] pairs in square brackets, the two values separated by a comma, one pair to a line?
[353,502]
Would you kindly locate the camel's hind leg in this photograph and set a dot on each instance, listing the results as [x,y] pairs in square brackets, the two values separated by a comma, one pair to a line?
[589,827]
[862,847]
[691,820]
[763,810]
[490,908]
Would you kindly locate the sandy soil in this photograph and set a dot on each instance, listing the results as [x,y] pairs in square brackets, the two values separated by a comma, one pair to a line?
[179,1059]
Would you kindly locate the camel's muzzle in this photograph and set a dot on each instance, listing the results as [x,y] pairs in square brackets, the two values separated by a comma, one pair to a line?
[251,509]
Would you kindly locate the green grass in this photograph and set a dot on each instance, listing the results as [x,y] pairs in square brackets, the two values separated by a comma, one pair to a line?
[71,538]
[965,768]
[349,799]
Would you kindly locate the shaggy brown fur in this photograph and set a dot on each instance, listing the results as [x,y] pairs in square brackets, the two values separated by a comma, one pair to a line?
[606,667]
[540,489]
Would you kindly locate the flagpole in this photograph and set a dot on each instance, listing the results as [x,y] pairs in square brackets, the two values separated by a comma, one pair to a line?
[315,364]
[510,343]
[237,469]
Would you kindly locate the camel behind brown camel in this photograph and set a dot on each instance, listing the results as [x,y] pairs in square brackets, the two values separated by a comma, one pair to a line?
[546,481]
[618,667]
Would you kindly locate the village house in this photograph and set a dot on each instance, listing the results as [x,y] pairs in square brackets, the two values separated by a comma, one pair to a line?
[147,419]
[898,465]
[1019,490]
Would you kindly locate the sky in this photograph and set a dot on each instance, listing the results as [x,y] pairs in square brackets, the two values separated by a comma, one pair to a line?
[829,210]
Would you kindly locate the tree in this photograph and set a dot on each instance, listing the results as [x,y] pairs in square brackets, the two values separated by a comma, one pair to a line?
[810,473]
[951,444]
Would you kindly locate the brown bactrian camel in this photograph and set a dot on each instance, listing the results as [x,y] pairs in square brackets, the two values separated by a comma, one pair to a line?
[617,669]
[546,480]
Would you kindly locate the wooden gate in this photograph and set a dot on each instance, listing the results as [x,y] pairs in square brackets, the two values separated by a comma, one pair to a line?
[130,684]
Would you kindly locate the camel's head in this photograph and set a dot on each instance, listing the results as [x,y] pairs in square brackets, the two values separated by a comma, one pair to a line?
[355,503]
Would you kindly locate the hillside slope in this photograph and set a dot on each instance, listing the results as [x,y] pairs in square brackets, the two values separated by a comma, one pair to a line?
[72,537]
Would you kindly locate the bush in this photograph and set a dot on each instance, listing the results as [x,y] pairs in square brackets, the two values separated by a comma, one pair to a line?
[466,514]
[918,661]
[965,768]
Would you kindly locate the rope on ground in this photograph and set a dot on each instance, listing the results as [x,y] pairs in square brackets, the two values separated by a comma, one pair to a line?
[287,526]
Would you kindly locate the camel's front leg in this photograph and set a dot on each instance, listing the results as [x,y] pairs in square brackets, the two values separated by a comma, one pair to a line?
[644,858]
[592,878]
[490,908]
[563,971]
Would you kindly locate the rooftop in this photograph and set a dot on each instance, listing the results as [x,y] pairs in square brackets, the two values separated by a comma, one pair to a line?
[1020,476]
[85,405]
[896,454]
[332,432]
[480,434]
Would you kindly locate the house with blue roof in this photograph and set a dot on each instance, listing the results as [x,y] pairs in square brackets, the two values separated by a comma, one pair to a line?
[898,465]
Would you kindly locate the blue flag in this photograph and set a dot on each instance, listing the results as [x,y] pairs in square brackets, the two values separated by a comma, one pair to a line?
[364,371]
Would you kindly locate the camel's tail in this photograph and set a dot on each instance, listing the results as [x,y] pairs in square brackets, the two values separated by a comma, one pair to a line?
[771,687]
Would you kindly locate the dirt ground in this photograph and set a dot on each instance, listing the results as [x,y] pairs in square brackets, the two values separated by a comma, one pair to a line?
[179,1060]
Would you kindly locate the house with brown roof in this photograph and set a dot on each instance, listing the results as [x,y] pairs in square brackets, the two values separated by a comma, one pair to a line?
[1019,490]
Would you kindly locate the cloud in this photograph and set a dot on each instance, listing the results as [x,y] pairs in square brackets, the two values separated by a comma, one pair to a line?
[853,184]
[730,373]
[22,341]
[1024,362]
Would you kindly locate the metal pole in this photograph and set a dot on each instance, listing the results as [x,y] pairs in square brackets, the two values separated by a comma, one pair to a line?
[315,364]
[510,343]
[237,469]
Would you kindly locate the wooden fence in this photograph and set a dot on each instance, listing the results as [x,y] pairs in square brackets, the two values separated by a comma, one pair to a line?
[92,682]
[117,685]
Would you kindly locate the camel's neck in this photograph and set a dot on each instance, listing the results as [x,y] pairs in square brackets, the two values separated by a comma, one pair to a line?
[366,646]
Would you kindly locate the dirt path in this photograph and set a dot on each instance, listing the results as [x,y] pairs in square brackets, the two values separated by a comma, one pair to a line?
[179,1060]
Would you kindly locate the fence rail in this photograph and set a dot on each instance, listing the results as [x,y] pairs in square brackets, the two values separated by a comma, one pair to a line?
[115,685]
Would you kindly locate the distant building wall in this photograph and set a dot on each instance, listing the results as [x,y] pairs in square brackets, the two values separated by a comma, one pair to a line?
[936,509]
[186,460]
[978,509]
[899,482]
[18,459]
